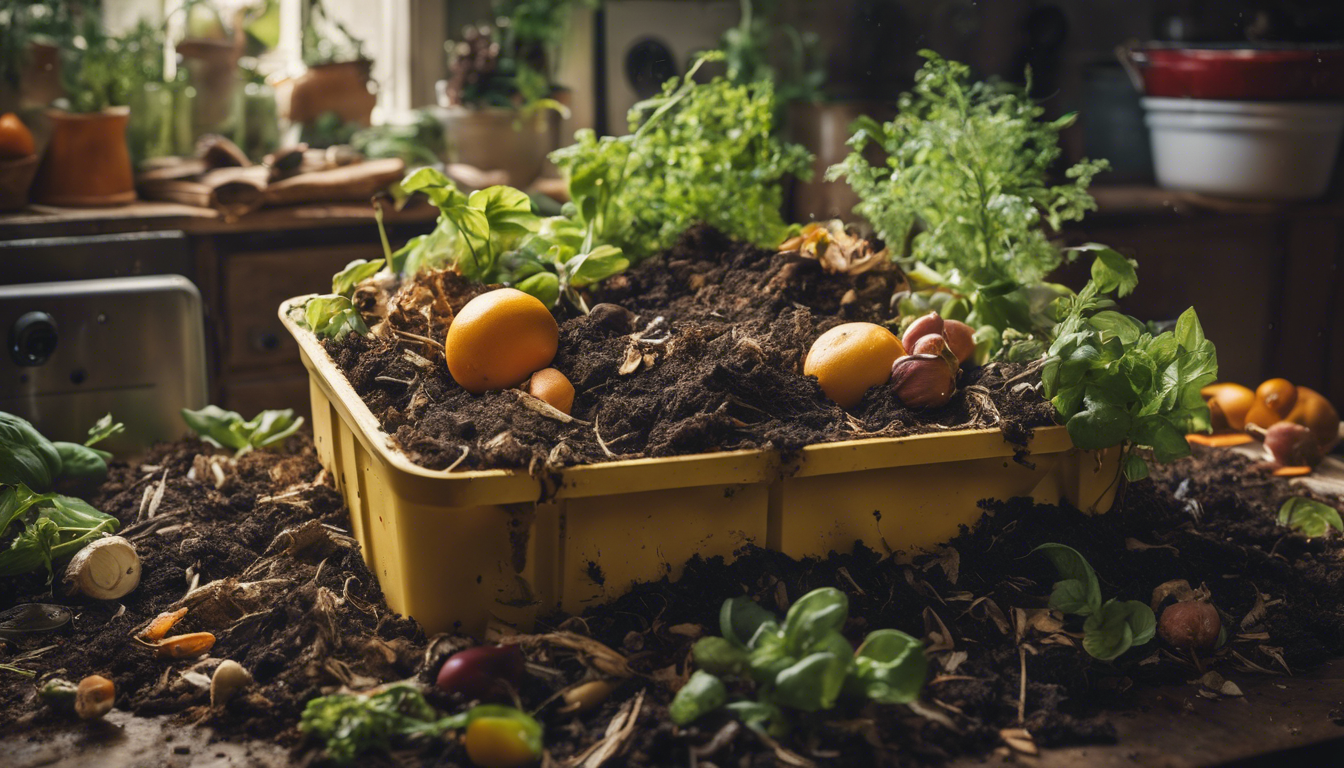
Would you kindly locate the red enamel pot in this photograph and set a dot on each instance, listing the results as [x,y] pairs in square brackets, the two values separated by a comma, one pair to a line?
[1239,71]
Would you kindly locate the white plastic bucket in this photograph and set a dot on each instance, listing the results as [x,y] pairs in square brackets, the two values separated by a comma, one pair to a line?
[1251,149]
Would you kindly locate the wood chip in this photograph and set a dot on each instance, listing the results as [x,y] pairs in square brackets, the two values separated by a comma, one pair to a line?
[618,733]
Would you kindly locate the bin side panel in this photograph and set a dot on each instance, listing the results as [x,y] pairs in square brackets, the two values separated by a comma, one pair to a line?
[897,509]
[633,537]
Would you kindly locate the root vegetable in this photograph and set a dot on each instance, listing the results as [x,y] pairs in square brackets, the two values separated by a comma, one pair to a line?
[1293,445]
[484,672]
[105,569]
[586,696]
[553,388]
[925,325]
[1191,626]
[960,338]
[930,345]
[923,381]
[161,624]
[185,646]
[498,339]
[850,359]
[94,697]
[230,677]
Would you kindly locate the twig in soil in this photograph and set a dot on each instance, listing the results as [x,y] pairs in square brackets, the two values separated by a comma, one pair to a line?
[395,380]
[141,529]
[982,396]
[415,337]
[465,450]
[1029,370]
[17,670]
[845,573]
[600,442]
[158,496]
[536,404]
[722,738]
[1022,689]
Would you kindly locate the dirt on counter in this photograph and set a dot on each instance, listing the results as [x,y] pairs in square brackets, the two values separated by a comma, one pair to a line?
[292,599]
[320,624]
[706,357]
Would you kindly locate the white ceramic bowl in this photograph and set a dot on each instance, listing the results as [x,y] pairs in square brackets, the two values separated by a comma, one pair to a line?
[1249,149]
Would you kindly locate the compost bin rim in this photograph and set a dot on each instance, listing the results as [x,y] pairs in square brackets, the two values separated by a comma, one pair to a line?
[811,460]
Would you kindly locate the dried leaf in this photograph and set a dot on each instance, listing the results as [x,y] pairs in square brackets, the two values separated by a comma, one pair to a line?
[940,638]
[986,609]
[1179,589]
[1257,612]
[634,357]
[1135,545]
[954,660]
[1019,740]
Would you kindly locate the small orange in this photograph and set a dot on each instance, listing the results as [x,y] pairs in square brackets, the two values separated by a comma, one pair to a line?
[1228,405]
[16,140]
[551,386]
[498,339]
[850,359]
[1274,400]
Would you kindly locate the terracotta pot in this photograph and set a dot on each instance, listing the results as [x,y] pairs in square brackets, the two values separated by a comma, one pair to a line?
[342,88]
[87,162]
[16,176]
[213,65]
[499,139]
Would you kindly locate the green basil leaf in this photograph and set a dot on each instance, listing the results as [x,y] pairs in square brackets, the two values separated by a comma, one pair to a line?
[81,462]
[719,656]
[891,666]
[343,283]
[1099,425]
[1309,517]
[814,615]
[594,267]
[702,694]
[26,457]
[1112,271]
[812,683]
[1072,566]
[543,285]
[1136,468]
[759,714]
[1117,627]
[508,210]
[740,618]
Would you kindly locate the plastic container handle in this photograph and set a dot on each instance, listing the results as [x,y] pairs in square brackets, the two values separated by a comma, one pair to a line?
[1132,59]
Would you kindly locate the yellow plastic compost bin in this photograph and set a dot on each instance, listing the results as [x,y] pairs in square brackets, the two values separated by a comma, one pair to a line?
[456,550]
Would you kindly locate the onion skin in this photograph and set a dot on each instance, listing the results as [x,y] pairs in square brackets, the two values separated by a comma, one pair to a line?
[930,345]
[923,381]
[960,338]
[925,325]
[1191,626]
[1293,445]
[481,672]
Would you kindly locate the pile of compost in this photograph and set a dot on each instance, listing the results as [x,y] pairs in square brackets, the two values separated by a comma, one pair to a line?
[702,352]
[299,609]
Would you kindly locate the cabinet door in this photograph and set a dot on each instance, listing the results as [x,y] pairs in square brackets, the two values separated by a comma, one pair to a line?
[254,286]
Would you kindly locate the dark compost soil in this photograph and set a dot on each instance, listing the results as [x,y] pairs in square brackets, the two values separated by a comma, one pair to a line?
[321,623]
[719,331]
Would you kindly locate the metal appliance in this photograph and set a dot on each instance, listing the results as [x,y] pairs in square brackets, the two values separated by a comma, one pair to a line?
[76,350]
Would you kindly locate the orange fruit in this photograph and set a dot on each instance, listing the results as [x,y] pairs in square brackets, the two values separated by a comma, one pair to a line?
[850,359]
[1274,400]
[1228,405]
[551,386]
[16,140]
[1316,413]
[498,339]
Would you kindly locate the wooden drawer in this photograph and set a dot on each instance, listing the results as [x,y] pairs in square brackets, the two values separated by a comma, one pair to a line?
[250,396]
[255,283]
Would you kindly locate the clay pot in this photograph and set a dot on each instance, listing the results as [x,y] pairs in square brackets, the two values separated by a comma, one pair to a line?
[342,88]
[87,162]
[16,176]
[824,129]
[499,139]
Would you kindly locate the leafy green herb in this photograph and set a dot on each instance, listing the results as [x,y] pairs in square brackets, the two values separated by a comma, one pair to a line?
[1112,627]
[1113,382]
[330,317]
[228,429]
[353,724]
[1309,517]
[51,527]
[28,458]
[492,236]
[963,195]
[103,429]
[696,153]
[804,664]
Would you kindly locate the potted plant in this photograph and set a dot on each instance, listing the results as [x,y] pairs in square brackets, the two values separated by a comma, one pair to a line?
[87,162]
[499,100]
[337,82]
[32,35]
